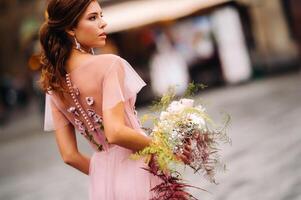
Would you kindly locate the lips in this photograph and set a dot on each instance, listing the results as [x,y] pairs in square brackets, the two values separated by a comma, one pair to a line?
[102,34]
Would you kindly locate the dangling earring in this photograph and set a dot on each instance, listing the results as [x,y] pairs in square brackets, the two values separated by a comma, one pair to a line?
[78,46]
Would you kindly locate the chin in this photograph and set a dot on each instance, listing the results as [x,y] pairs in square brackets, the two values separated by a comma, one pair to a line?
[100,45]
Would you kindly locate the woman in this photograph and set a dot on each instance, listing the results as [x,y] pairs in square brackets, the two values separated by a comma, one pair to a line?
[94,94]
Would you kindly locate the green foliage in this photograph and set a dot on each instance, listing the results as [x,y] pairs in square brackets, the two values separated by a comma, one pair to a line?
[193,88]
[164,101]
[161,149]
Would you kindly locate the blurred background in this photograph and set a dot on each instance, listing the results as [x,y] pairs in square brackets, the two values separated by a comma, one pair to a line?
[246,51]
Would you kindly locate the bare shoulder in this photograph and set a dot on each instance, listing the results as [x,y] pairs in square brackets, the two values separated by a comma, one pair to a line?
[109,61]
[107,58]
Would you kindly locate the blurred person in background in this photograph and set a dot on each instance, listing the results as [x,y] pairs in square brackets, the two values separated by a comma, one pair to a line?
[13,96]
[166,59]
[4,90]
[94,94]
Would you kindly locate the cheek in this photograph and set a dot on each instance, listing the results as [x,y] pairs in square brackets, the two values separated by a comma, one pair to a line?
[86,32]
[89,29]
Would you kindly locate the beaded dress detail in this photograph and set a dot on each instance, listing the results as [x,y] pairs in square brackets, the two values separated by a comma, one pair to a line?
[92,119]
[95,87]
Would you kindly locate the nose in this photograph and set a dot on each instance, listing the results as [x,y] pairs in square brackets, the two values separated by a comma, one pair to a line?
[102,23]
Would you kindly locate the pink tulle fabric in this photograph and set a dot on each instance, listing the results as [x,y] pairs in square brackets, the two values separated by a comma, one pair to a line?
[108,79]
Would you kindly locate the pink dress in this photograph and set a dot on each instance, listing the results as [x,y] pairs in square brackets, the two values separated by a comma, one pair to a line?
[99,84]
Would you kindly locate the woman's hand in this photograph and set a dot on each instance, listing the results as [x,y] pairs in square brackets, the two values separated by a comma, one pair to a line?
[186,155]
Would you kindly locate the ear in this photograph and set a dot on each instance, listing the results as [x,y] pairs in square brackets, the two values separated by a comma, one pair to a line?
[70,32]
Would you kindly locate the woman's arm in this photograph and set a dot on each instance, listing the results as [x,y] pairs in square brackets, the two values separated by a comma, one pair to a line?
[118,133]
[66,141]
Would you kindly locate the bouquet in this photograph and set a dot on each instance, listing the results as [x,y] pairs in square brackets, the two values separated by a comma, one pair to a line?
[184,134]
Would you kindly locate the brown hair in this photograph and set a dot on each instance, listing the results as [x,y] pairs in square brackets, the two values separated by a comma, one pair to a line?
[56,43]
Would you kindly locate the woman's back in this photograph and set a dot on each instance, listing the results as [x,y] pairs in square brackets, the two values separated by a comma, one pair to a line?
[101,83]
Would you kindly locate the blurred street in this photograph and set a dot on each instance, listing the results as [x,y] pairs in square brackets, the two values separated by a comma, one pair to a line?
[264,161]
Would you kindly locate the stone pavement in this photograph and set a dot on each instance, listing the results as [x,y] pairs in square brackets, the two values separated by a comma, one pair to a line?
[264,161]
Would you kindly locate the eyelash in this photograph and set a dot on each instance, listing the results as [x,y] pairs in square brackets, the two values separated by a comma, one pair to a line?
[94,17]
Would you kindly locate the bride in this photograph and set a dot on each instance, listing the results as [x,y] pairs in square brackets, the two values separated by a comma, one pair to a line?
[96,95]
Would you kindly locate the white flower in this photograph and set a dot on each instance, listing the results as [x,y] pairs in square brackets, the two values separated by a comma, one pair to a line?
[178,106]
[163,115]
[155,129]
[175,106]
[187,102]
[174,134]
[197,120]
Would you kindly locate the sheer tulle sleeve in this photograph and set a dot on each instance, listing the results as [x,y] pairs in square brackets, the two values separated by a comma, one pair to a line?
[54,118]
[121,82]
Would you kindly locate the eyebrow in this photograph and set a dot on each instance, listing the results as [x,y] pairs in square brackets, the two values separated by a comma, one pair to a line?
[95,13]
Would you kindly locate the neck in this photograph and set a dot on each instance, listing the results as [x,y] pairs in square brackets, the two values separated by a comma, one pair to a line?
[75,59]
[84,50]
